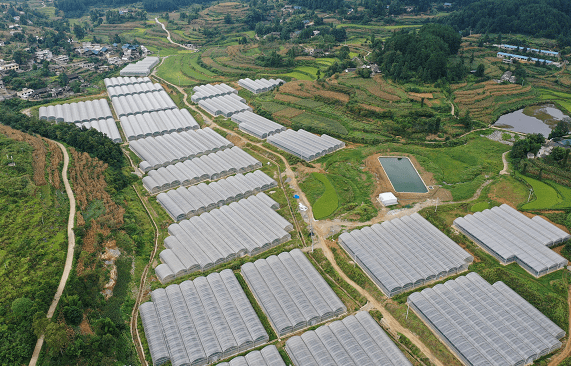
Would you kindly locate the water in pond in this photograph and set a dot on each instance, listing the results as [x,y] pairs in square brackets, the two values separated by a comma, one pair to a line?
[402,174]
[533,119]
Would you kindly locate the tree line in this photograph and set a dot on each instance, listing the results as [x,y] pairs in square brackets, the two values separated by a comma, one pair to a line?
[422,55]
[90,141]
[540,18]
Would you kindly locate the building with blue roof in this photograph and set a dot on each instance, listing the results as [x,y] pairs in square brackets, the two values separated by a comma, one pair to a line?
[535,50]
[523,58]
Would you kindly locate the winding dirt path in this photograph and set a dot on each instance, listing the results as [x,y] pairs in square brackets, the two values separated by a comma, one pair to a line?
[70,251]
[169,35]
[388,318]
[505,171]
[135,313]
[567,350]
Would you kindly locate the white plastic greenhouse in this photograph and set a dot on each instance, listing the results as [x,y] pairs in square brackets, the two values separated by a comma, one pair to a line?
[486,324]
[94,114]
[207,167]
[210,91]
[200,322]
[225,105]
[404,253]
[356,340]
[510,236]
[184,203]
[171,148]
[256,125]
[267,356]
[259,85]
[90,110]
[140,68]
[305,145]
[291,292]
[126,105]
[157,123]
[106,126]
[246,227]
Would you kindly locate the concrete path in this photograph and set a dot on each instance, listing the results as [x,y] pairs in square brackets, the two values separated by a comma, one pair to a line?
[505,161]
[70,250]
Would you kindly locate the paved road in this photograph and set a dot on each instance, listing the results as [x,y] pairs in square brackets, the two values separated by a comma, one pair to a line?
[70,250]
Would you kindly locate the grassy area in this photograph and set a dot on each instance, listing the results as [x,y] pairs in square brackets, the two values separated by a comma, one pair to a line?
[548,195]
[461,169]
[352,185]
[327,200]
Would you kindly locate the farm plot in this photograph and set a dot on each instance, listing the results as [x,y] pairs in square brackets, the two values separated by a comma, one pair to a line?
[487,101]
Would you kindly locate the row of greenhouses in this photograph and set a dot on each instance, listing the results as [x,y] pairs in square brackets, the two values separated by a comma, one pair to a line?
[404,253]
[291,292]
[171,148]
[129,89]
[510,236]
[209,91]
[127,105]
[183,203]
[224,105]
[207,167]
[139,126]
[247,227]
[305,145]
[259,85]
[87,111]
[356,340]
[486,324]
[200,322]
[140,68]
[256,125]
[120,81]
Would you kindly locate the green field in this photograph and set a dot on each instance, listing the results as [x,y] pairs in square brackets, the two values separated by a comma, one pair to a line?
[460,169]
[328,202]
[562,99]
[183,69]
[299,75]
[547,195]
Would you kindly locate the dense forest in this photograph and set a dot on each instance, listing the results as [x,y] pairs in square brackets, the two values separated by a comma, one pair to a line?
[540,18]
[421,55]
[76,8]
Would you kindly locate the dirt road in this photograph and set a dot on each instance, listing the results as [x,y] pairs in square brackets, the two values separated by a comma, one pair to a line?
[142,285]
[505,161]
[70,250]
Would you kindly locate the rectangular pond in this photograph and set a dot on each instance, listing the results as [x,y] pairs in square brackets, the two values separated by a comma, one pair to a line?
[403,174]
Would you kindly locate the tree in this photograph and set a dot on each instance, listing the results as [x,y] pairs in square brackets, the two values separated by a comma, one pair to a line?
[63,79]
[76,87]
[78,31]
[73,315]
[22,307]
[480,70]
[343,53]
[558,153]
[55,336]
[318,74]
[228,19]
[561,129]
[467,121]
[364,72]
[117,39]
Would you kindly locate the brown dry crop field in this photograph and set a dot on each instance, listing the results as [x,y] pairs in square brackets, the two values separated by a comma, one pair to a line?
[288,112]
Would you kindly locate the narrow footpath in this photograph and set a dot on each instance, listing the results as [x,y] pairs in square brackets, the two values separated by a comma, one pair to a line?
[70,250]
[142,285]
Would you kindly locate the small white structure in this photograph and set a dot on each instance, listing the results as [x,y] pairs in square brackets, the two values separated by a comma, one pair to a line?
[388,199]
